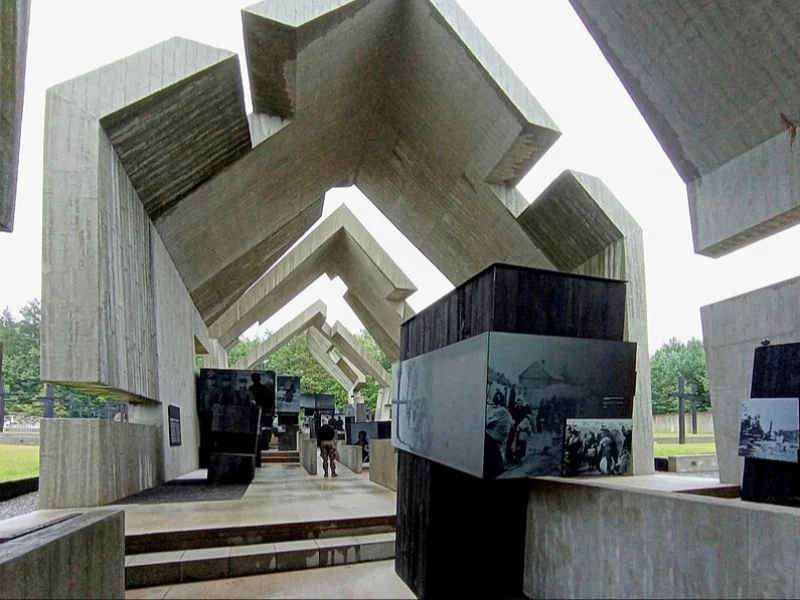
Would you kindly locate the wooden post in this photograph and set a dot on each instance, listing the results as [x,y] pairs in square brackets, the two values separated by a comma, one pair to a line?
[2,393]
[694,408]
[681,411]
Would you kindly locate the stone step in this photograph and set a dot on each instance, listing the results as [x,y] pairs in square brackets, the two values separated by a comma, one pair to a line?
[280,460]
[271,533]
[183,566]
[280,454]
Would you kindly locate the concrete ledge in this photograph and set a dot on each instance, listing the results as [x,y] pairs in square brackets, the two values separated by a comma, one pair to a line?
[695,546]
[350,456]
[80,557]
[383,463]
[692,463]
[167,568]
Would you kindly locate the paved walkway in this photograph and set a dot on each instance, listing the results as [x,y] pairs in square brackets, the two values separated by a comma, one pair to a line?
[278,494]
[364,580]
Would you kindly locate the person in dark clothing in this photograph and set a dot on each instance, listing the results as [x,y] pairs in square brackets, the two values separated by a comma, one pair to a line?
[327,447]
[266,400]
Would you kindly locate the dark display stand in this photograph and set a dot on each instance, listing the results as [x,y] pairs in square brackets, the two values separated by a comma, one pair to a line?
[440,509]
[234,439]
[776,374]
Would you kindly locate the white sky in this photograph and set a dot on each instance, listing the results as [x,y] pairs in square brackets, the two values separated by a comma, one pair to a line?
[543,41]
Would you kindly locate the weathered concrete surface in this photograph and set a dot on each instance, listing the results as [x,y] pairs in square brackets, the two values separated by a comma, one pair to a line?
[383,463]
[93,462]
[321,348]
[355,352]
[349,456]
[339,246]
[669,423]
[586,541]
[14,20]
[713,92]
[732,330]
[582,228]
[308,452]
[82,557]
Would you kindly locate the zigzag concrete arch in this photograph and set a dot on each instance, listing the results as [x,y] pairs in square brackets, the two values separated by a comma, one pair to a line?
[582,228]
[340,246]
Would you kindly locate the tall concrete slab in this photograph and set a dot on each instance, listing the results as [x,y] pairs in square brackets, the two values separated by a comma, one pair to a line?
[582,228]
[732,330]
[14,21]
[711,78]
[339,246]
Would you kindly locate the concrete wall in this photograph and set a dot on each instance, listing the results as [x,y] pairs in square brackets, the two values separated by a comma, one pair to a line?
[590,541]
[692,463]
[383,463]
[308,452]
[350,456]
[669,423]
[732,330]
[93,462]
[14,19]
[82,557]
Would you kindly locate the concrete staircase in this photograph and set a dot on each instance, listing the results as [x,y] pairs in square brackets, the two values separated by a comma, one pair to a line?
[270,457]
[170,558]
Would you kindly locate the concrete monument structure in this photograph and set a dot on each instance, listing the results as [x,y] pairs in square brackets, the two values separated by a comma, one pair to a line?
[582,228]
[713,94]
[339,246]
[14,20]
[167,209]
[720,102]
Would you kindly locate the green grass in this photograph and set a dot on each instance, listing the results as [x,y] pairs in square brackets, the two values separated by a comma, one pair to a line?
[665,450]
[18,462]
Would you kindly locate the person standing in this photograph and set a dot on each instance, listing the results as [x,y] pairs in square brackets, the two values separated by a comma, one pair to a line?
[327,447]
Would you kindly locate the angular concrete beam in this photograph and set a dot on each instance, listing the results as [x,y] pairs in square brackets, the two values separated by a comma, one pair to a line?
[713,92]
[732,330]
[319,346]
[14,20]
[355,352]
[98,240]
[583,228]
[339,246]
[314,316]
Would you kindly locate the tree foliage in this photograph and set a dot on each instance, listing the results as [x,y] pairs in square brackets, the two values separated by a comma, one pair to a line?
[295,359]
[673,359]
[20,339]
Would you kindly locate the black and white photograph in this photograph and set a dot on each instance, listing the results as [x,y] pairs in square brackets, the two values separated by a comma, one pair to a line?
[288,394]
[597,447]
[770,429]
[232,386]
[360,434]
[536,383]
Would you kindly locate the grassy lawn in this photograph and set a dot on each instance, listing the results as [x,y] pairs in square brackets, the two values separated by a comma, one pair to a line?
[665,450]
[18,462]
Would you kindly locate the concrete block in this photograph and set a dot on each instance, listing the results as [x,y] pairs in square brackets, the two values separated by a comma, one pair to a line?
[156,568]
[297,555]
[380,546]
[692,463]
[308,453]
[338,551]
[383,463]
[350,456]
[205,563]
[81,557]
[253,560]
[94,462]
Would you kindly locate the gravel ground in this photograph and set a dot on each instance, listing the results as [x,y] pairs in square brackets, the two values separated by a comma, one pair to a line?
[186,492]
[19,505]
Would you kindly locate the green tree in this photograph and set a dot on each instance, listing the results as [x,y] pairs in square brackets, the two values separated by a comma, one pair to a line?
[20,339]
[370,390]
[673,359]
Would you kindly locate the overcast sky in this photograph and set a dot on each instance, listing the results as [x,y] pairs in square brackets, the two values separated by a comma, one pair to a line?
[543,41]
